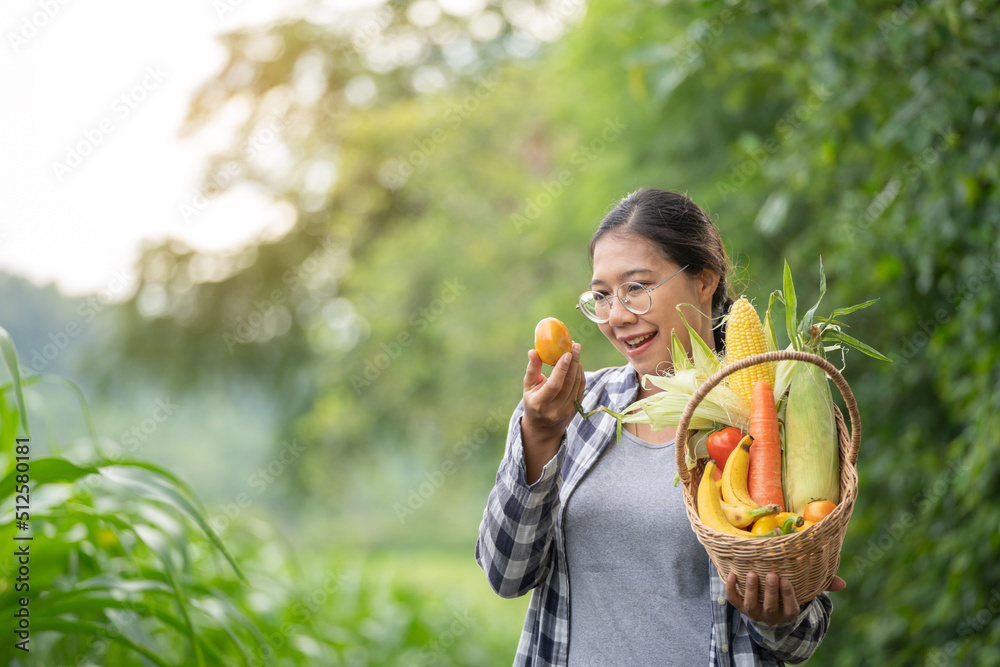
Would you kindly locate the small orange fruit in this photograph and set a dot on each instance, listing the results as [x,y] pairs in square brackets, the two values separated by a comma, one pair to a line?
[818,510]
[552,340]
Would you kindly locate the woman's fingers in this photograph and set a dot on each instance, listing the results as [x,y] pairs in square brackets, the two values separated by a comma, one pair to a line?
[778,606]
[574,382]
[533,376]
[544,392]
[837,584]
[734,595]
[750,597]
[789,603]
[553,398]
[772,602]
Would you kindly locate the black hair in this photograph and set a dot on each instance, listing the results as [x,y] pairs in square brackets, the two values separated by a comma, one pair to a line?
[683,233]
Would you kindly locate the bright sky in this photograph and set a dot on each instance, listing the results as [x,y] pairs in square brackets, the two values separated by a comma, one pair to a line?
[65,66]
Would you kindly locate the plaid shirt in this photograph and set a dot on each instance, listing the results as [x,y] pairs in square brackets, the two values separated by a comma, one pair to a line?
[521,548]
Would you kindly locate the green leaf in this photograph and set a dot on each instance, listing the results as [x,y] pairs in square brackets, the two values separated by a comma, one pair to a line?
[48,378]
[9,353]
[679,356]
[806,322]
[90,629]
[769,335]
[705,359]
[841,337]
[850,309]
[157,489]
[180,596]
[51,471]
[788,290]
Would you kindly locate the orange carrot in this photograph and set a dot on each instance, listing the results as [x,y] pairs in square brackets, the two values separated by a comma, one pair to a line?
[764,477]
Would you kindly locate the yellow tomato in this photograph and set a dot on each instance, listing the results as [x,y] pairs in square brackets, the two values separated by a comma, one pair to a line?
[764,525]
[805,524]
[781,516]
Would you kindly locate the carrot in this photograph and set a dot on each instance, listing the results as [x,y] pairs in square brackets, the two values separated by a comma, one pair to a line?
[764,477]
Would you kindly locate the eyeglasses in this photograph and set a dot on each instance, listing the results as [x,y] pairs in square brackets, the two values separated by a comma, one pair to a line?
[635,297]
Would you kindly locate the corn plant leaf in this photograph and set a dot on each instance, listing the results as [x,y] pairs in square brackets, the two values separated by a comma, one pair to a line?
[841,337]
[90,629]
[155,488]
[679,356]
[783,377]
[808,317]
[90,602]
[9,353]
[50,471]
[788,290]
[772,339]
[69,384]
[850,309]
[180,596]
[706,361]
[697,448]
[237,614]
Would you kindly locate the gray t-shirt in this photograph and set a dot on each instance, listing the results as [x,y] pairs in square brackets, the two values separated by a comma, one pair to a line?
[638,576]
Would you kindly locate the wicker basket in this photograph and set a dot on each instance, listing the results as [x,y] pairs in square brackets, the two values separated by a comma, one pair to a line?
[809,559]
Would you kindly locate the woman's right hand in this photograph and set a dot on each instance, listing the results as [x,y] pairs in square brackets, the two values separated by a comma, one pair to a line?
[549,406]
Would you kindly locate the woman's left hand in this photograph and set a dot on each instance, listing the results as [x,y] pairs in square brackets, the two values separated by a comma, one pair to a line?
[779,604]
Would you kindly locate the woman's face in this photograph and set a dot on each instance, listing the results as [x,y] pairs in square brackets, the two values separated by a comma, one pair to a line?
[645,339]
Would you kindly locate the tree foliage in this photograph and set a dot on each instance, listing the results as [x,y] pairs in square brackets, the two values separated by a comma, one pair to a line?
[460,205]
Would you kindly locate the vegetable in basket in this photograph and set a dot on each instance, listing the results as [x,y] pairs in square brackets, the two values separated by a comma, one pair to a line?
[811,462]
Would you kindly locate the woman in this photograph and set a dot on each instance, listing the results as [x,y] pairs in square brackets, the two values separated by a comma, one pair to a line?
[569,513]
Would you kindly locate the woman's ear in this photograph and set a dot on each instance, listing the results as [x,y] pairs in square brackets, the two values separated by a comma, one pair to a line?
[708,281]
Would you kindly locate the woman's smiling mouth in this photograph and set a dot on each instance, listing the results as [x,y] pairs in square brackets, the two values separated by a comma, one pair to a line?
[634,344]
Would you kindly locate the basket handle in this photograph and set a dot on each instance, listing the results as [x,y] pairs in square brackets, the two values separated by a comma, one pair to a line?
[680,447]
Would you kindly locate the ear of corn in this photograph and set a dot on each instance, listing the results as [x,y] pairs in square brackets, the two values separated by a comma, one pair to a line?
[745,337]
[811,459]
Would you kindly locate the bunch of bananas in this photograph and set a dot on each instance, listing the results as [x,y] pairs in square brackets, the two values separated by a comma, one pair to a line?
[730,509]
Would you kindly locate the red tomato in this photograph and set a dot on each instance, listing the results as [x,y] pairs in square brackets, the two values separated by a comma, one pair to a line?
[552,340]
[721,444]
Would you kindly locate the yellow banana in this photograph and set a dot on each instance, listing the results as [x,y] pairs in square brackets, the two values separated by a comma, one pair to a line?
[734,476]
[710,505]
[741,516]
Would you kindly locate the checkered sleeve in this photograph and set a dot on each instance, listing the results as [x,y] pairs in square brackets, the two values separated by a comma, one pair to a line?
[794,642]
[514,547]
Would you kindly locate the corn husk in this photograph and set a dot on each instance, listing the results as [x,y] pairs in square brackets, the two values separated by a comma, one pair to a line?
[664,409]
[811,460]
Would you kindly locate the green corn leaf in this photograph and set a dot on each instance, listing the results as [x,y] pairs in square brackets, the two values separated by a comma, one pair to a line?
[705,359]
[841,337]
[69,384]
[9,353]
[90,629]
[679,356]
[788,290]
[237,614]
[175,493]
[154,488]
[181,596]
[850,309]
[829,321]
[769,335]
[50,471]
[807,320]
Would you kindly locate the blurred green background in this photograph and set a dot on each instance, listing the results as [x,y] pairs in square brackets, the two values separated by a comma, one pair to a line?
[333,404]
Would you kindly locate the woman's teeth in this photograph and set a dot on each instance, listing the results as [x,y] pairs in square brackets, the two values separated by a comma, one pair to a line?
[636,342]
